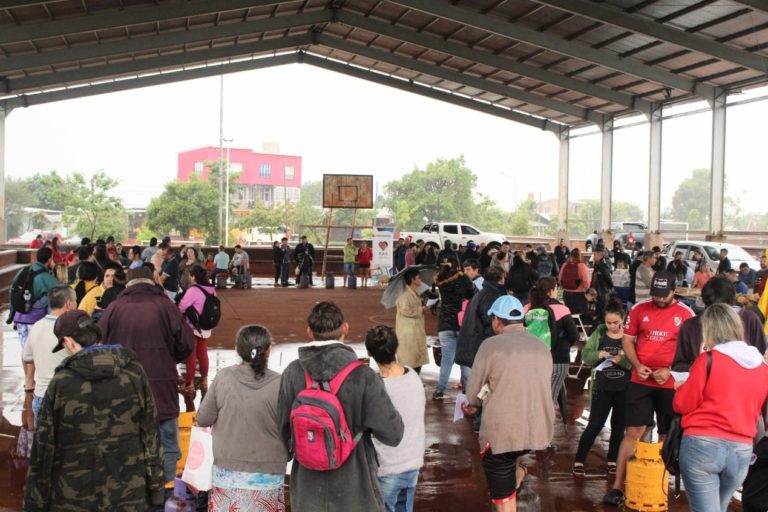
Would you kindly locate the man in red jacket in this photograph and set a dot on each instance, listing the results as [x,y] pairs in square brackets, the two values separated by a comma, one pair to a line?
[650,341]
[144,320]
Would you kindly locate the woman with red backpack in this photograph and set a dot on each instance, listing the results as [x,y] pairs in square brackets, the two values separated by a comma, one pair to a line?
[574,278]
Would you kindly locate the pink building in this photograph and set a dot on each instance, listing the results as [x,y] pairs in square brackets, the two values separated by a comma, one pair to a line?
[270,178]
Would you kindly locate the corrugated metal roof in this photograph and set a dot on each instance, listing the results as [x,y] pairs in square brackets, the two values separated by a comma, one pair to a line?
[549,63]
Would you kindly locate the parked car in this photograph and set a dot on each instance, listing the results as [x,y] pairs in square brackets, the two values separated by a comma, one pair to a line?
[26,238]
[711,253]
[437,233]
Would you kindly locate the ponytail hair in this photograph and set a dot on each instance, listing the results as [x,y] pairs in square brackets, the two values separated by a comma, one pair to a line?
[539,295]
[252,343]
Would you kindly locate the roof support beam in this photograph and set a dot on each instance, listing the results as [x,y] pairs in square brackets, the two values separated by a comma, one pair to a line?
[654,175]
[616,17]
[548,41]
[27,100]
[758,5]
[413,87]
[437,44]
[163,62]
[107,19]
[458,77]
[144,43]
[606,175]
[562,182]
[4,111]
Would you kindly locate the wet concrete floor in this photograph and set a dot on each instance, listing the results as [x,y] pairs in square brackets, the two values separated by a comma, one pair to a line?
[451,480]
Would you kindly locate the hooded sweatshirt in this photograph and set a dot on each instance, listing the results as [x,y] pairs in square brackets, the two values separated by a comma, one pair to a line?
[243,411]
[726,405]
[353,487]
[97,444]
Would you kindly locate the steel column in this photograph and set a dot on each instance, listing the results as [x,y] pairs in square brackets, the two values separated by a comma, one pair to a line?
[717,189]
[654,179]
[606,175]
[4,111]
[562,189]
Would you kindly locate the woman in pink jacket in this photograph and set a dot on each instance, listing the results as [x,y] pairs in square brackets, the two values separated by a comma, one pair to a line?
[194,298]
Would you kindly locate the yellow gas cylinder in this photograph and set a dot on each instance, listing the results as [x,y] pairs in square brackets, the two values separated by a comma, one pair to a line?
[647,479]
[186,422]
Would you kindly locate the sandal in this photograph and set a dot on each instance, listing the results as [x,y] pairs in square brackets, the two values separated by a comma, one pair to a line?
[578,470]
[614,497]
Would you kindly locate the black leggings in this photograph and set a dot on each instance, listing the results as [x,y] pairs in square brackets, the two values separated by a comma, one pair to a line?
[278,270]
[602,403]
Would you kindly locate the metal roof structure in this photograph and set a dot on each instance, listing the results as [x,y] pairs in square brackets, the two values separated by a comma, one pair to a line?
[551,64]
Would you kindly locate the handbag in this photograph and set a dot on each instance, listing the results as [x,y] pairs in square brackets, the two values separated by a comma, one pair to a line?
[670,450]
[198,470]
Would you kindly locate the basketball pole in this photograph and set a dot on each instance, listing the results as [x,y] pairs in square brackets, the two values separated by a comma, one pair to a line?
[327,240]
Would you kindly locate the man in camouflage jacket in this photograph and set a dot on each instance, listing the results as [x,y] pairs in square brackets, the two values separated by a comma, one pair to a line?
[97,445]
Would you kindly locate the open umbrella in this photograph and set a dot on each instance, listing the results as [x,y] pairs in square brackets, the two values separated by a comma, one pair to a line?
[396,285]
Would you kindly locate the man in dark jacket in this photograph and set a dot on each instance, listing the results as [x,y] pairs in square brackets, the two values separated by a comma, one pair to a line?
[305,257]
[144,320]
[477,325]
[367,407]
[447,253]
[601,282]
[521,278]
[690,341]
[100,449]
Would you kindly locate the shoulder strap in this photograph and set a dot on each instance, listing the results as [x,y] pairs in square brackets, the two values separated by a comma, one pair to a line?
[203,290]
[336,382]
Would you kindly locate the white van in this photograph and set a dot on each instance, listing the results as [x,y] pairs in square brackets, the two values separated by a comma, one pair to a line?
[711,253]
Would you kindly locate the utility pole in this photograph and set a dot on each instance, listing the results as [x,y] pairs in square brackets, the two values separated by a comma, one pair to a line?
[221,158]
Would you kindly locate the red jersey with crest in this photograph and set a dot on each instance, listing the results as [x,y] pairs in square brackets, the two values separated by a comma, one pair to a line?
[656,331]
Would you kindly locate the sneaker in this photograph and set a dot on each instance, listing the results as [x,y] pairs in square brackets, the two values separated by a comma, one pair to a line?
[438,395]
[614,497]
[578,470]
[611,468]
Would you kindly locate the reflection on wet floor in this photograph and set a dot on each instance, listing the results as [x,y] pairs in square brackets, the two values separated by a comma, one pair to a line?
[452,479]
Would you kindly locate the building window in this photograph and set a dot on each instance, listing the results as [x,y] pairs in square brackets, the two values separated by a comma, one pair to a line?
[198,168]
[265,170]
[264,194]
[235,167]
[289,173]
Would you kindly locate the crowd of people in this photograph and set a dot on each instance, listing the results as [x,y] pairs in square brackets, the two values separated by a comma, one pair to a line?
[119,328]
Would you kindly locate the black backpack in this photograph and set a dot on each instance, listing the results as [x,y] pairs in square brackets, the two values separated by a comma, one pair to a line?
[21,292]
[211,314]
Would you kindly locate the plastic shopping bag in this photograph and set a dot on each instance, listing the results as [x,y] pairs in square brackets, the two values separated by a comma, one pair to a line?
[198,470]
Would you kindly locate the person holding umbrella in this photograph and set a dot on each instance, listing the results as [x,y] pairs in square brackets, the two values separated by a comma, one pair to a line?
[409,323]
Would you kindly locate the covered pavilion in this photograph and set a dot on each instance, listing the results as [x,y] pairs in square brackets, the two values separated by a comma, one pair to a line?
[558,65]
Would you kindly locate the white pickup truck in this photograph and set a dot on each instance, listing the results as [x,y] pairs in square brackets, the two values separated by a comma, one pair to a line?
[437,233]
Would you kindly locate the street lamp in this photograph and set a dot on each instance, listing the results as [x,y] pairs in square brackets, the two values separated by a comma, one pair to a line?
[226,197]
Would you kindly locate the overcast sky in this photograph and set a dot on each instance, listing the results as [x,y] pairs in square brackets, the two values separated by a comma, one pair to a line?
[340,124]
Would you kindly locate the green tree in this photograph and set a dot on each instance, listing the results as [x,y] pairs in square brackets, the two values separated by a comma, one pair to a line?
[18,196]
[88,206]
[48,188]
[690,202]
[442,191]
[186,206]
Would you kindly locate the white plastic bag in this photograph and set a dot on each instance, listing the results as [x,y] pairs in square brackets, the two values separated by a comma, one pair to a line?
[198,470]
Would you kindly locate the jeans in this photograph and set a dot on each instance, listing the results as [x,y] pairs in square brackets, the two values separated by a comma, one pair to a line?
[169,438]
[284,269]
[399,490]
[349,269]
[712,470]
[448,341]
[602,404]
[37,404]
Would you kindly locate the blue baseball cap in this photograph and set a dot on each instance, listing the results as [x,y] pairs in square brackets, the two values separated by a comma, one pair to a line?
[507,307]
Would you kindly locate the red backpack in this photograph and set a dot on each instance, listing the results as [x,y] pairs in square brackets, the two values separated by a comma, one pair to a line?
[322,440]
[570,280]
